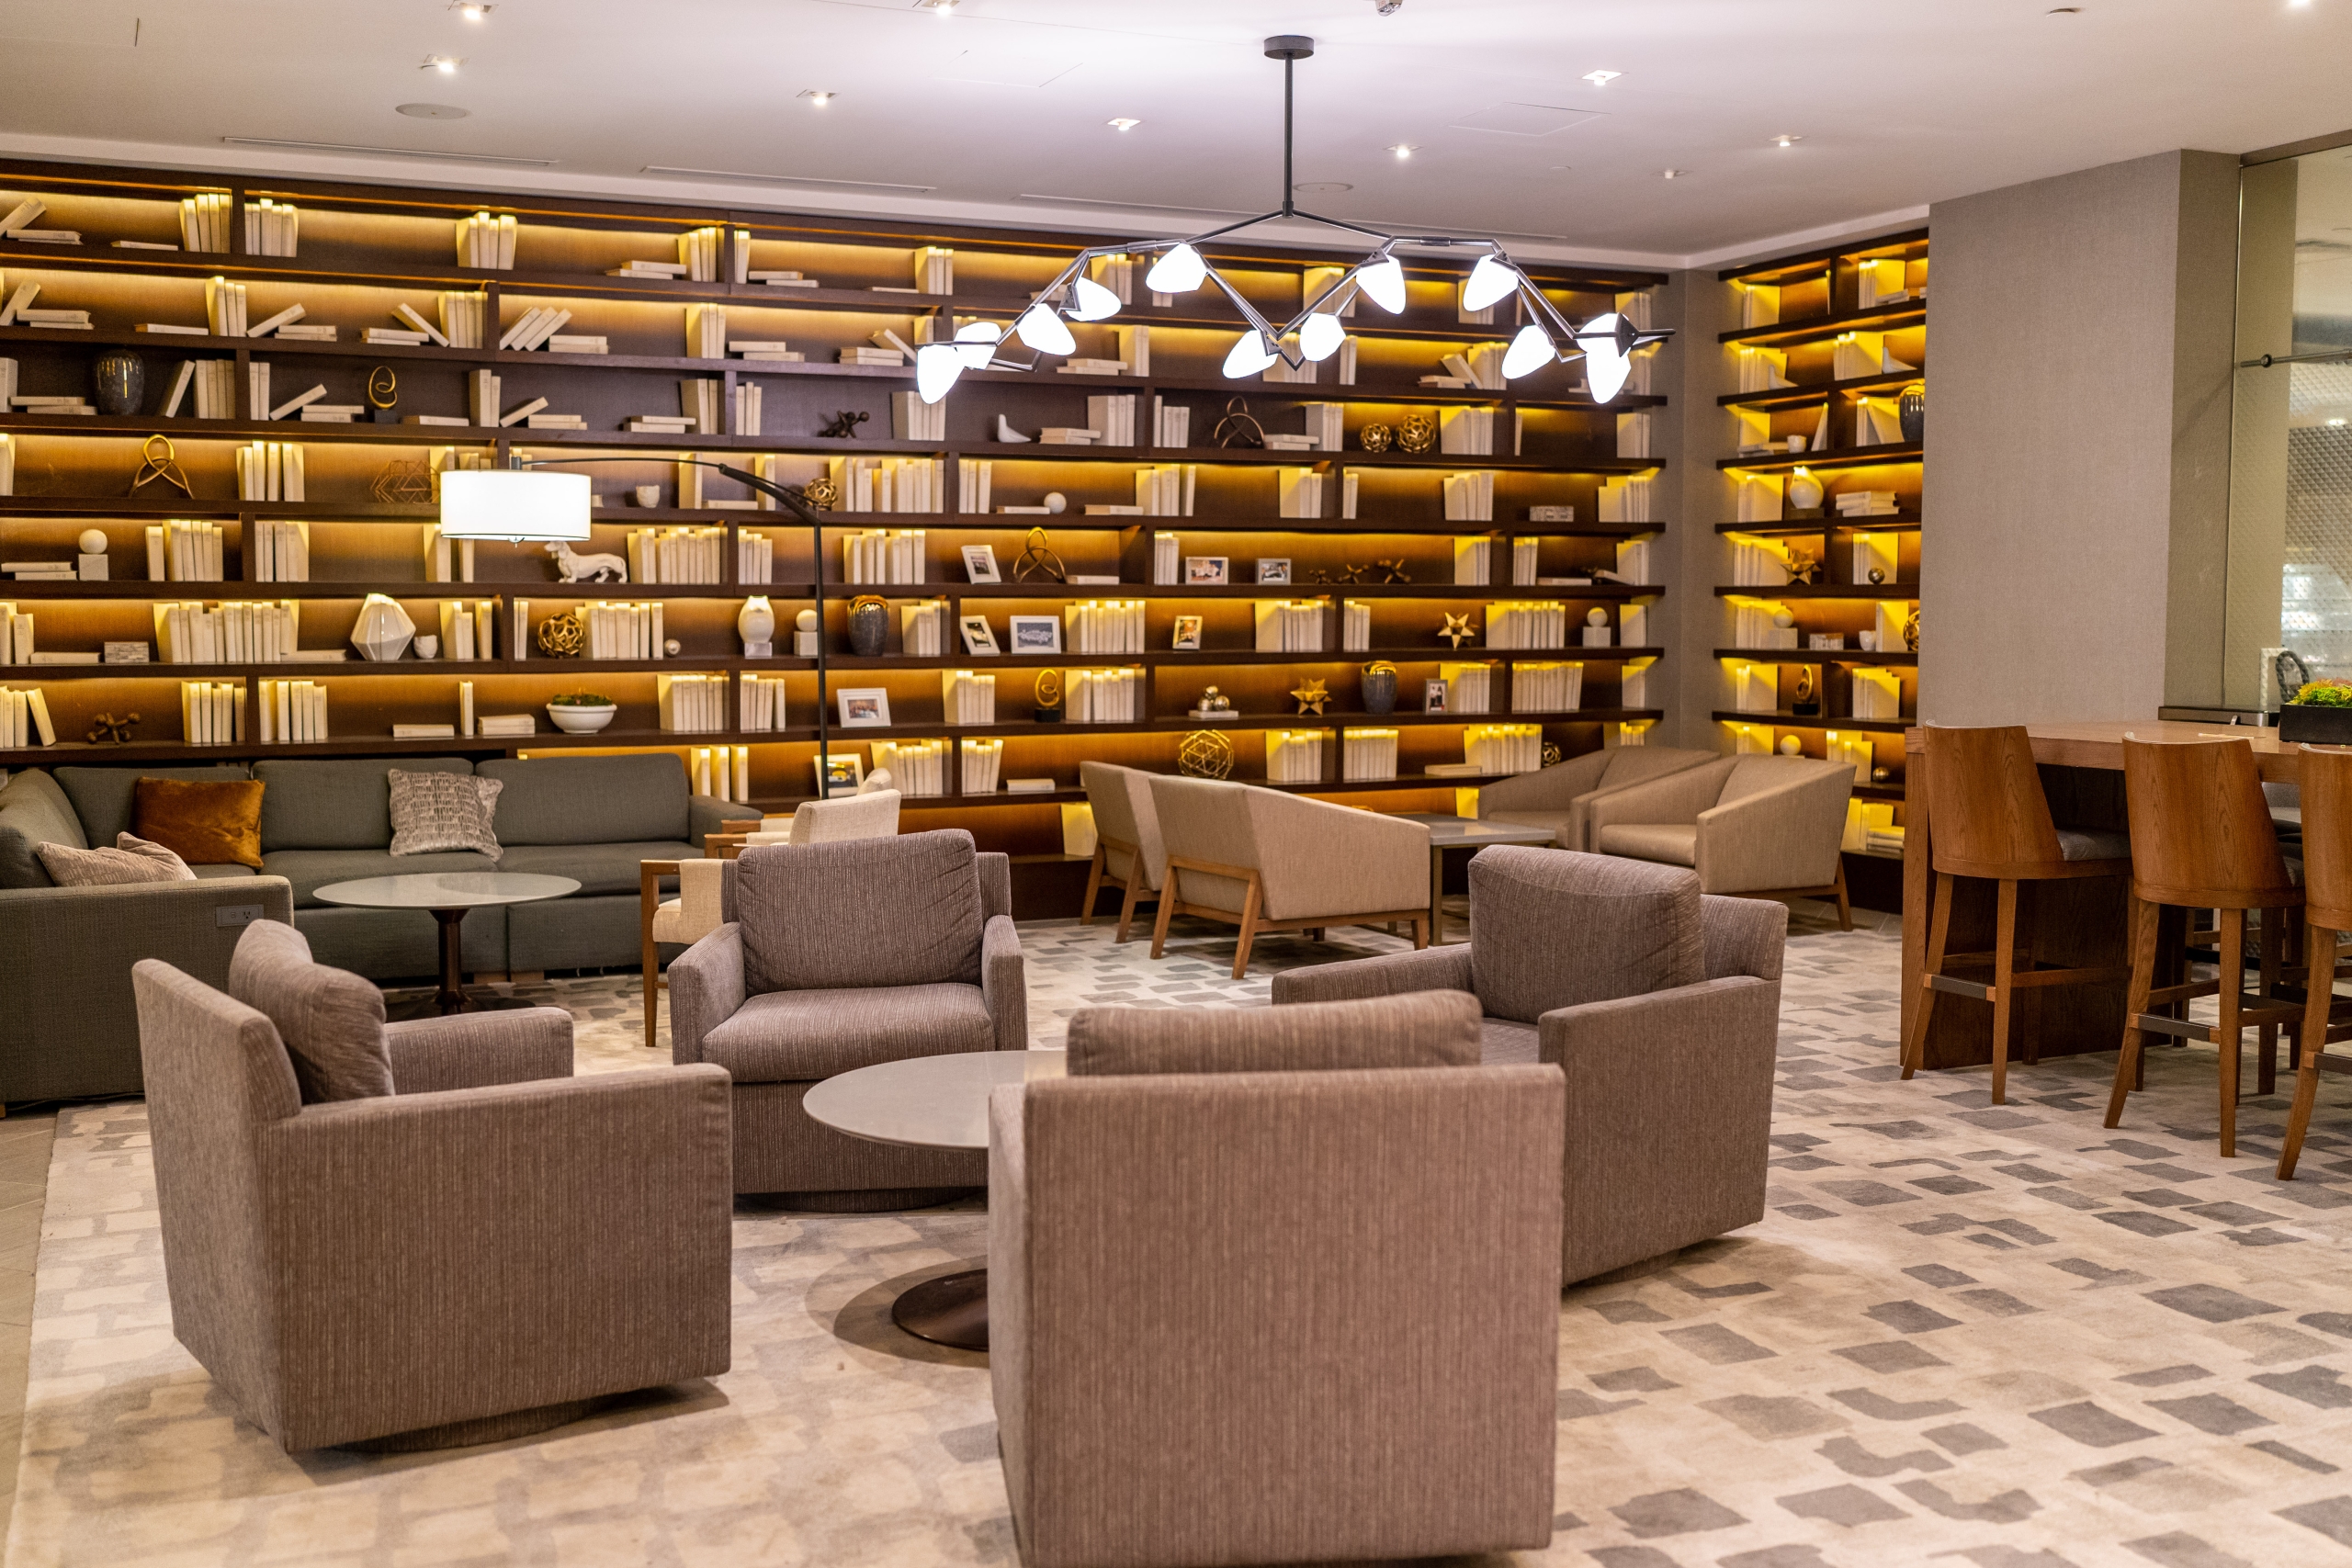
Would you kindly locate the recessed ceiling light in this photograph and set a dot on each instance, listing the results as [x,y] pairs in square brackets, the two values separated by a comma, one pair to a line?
[1602,78]
[432,111]
[2335,423]
[1124,124]
[1404,150]
[1672,174]
[444,63]
[818,97]
[471,10]
[941,8]
[2299,5]
[1786,141]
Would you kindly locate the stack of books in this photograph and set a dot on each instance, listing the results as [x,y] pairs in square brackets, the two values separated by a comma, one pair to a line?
[1299,492]
[692,704]
[760,702]
[281,549]
[1067,435]
[925,628]
[567,343]
[1473,562]
[1355,626]
[1166,492]
[1866,504]
[486,241]
[662,272]
[771,350]
[1469,498]
[1086,367]
[272,229]
[982,762]
[212,713]
[1104,696]
[916,767]
[17,225]
[934,270]
[506,725]
[975,482]
[204,221]
[1295,756]
[184,552]
[967,698]
[1504,748]
[622,631]
[1546,688]
[270,470]
[20,311]
[1624,500]
[1171,423]
[860,355]
[24,719]
[675,555]
[1469,688]
[1290,625]
[537,326]
[42,571]
[1114,416]
[534,420]
[912,419]
[1368,754]
[32,404]
[1104,626]
[754,558]
[662,423]
[706,332]
[883,557]
[775,279]
[466,634]
[1516,624]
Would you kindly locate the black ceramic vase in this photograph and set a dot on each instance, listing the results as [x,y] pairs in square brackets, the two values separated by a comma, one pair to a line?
[121,378]
[1380,690]
[869,626]
[1913,411]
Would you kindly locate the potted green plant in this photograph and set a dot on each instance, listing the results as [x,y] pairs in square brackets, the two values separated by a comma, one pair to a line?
[582,713]
[2321,712]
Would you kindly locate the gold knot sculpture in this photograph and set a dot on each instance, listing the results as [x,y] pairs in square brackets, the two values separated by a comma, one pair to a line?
[159,467]
[1206,754]
[1457,629]
[1238,428]
[1311,696]
[1048,689]
[1417,434]
[1037,559]
[383,388]
[563,637]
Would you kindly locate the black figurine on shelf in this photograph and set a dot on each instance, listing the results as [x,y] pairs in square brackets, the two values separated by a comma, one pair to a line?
[844,426]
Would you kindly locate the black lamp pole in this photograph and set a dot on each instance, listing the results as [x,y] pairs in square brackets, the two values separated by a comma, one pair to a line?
[797,504]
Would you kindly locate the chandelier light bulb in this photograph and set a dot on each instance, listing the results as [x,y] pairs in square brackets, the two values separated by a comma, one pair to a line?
[1384,284]
[1491,280]
[1605,368]
[1180,271]
[936,367]
[976,344]
[1321,335]
[1249,354]
[1043,330]
[1531,350]
[1090,301]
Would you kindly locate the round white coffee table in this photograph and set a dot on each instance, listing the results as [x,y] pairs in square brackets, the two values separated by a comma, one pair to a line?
[932,1102]
[448,895]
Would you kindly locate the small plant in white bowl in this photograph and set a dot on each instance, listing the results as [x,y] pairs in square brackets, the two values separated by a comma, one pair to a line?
[580,713]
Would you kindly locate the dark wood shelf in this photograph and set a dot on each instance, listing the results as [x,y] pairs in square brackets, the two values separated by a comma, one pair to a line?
[1813,329]
[1819,721]
[1797,397]
[1820,656]
[1891,456]
[1886,590]
[1807,265]
[1901,522]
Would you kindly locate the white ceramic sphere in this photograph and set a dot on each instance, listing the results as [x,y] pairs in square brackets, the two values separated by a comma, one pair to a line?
[1596,618]
[671,647]
[1055,502]
[1790,746]
[93,541]
[1784,620]
[805,621]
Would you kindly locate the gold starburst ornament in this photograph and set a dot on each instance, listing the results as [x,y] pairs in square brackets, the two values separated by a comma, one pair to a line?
[1311,696]
[1458,629]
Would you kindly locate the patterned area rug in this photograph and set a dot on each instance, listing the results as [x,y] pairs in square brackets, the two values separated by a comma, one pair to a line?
[2003,1338]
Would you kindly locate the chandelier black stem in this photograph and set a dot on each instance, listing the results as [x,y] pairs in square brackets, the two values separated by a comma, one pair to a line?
[1290,67]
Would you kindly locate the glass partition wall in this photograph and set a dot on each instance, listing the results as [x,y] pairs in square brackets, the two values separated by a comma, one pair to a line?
[2290,474]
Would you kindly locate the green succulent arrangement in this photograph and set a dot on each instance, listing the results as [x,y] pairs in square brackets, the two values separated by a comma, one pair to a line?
[2324,695]
[581,700]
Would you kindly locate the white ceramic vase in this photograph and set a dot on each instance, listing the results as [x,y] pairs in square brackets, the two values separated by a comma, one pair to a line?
[383,630]
[755,624]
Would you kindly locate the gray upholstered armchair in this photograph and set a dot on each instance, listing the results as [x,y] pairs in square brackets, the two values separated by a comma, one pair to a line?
[426,1234]
[1561,797]
[1661,1005]
[837,956]
[1314,1250]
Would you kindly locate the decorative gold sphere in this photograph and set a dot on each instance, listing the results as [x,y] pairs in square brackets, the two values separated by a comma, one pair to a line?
[1377,437]
[563,637]
[1206,754]
[822,493]
[1417,434]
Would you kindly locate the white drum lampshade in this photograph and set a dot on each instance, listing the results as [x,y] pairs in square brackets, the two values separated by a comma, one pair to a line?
[513,504]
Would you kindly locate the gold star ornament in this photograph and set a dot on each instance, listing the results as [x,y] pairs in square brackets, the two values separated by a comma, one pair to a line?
[1457,628]
[1311,697]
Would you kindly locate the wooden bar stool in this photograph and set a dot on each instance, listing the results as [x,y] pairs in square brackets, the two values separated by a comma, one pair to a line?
[2328,916]
[2202,839]
[1993,821]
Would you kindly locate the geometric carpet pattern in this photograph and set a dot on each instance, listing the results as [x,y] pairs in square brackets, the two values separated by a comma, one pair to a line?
[1965,1335]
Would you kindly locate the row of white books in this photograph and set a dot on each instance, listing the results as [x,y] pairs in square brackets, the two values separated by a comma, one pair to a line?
[912,419]
[483,392]
[1355,626]
[1473,561]
[1763,370]
[883,557]
[916,767]
[1882,280]
[1469,498]
[1877,422]
[1469,688]
[1757,565]
[623,630]
[706,332]
[1103,696]
[271,470]
[888,484]
[1877,693]
[1626,500]
[224,306]
[1755,688]
[1104,626]
[24,719]
[934,270]
[1870,825]
[185,552]
[1295,756]
[446,560]
[204,221]
[967,697]
[1290,625]
[975,485]
[723,773]
[7,453]
[1468,433]
[16,636]
[1299,492]
[1874,552]
[1760,305]
[1861,356]
[1167,560]
[676,556]
[692,703]
[983,765]
[760,704]
[272,229]
[1504,748]
[1368,754]
[1172,424]
[754,558]
[1855,751]
[1512,625]
[1759,499]
[1758,627]
[534,328]
[1546,688]
[1636,431]
[212,713]
[1112,417]
[468,635]
[1343,366]
[1866,504]
[293,712]
[925,628]
[881,356]
[229,632]
[487,241]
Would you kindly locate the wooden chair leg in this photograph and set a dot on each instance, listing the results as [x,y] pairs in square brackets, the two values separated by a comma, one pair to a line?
[1093,887]
[1127,905]
[1845,910]
[2310,1040]
[1420,933]
[2266,1072]
[2232,991]
[1249,929]
[2005,956]
[2145,919]
[1167,912]
[1939,939]
[2031,1003]
[652,961]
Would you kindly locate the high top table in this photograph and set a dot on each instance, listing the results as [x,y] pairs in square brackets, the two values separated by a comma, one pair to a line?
[2085,923]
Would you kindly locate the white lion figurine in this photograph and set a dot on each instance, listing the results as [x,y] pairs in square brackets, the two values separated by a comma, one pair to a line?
[574,567]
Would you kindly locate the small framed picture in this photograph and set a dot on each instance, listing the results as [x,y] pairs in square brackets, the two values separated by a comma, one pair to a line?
[979,563]
[980,638]
[844,771]
[1188,633]
[864,707]
[1204,572]
[1432,697]
[1273,570]
[1036,633]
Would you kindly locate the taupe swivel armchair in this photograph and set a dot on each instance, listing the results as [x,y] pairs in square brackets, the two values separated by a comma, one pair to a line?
[838,956]
[1312,1255]
[428,1234]
[1128,847]
[1662,1006]
[1751,827]
[1560,797]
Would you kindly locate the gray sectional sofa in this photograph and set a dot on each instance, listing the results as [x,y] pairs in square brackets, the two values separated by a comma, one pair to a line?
[67,1028]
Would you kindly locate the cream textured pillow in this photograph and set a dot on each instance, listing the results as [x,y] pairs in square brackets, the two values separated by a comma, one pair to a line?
[133,860]
[437,812]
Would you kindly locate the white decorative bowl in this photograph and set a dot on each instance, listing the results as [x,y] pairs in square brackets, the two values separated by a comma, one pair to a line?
[580,720]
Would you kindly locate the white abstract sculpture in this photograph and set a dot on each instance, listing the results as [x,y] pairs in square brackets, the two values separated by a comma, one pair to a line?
[572,567]
[383,629]
[755,624]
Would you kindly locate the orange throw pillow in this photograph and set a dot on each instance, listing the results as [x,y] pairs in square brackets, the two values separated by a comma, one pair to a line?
[204,824]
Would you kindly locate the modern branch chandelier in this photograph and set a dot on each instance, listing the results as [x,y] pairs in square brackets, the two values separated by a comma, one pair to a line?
[1606,343]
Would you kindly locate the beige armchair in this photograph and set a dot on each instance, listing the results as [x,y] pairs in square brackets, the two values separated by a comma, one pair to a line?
[1560,797]
[1751,827]
[412,1237]
[1265,860]
[1316,1253]
[1127,846]
[1661,1005]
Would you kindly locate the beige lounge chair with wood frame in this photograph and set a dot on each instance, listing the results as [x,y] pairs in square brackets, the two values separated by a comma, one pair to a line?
[1265,860]
[693,914]
[1751,827]
[1126,840]
[1560,797]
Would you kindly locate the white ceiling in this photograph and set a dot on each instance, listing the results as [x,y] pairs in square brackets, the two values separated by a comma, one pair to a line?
[1900,103]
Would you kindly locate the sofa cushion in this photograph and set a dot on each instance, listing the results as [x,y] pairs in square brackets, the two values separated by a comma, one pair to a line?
[1420,1029]
[591,800]
[1504,1043]
[215,822]
[102,797]
[131,859]
[902,911]
[598,868]
[33,811]
[1555,929]
[221,873]
[434,813]
[795,1036]
[1556,822]
[310,870]
[1667,843]
[321,804]
[330,1019]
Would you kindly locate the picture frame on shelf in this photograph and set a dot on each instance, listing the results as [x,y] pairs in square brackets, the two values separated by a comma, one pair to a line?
[979,564]
[847,769]
[864,707]
[1273,569]
[980,637]
[1432,697]
[1188,635]
[1204,572]
[1035,634]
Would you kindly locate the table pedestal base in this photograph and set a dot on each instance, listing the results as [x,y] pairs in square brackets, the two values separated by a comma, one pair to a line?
[952,1310]
[452,995]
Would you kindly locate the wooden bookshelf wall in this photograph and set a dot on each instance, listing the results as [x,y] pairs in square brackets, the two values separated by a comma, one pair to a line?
[1818,298]
[366,248]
